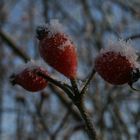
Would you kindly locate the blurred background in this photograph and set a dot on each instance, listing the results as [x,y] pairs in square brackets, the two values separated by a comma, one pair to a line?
[49,114]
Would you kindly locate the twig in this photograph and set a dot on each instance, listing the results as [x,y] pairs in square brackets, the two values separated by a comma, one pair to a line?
[71,132]
[133,37]
[88,81]
[41,118]
[126,7]
[67,103]
[87,12]
[12,45]
[62,123]
[74,87]
[61,85]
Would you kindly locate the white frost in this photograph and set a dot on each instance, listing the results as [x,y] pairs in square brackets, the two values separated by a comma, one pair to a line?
[123,48]
[67,43]
[54,27]
[32,64]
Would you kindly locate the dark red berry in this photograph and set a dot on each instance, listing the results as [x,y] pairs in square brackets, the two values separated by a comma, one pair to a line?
[115,65]
[29,79]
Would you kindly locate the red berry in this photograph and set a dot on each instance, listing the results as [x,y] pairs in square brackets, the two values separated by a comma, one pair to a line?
[58,50]
[29,79]
[117,64]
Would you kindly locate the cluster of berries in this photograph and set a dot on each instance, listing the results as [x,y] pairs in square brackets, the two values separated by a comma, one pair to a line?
[57,50]
[116,64]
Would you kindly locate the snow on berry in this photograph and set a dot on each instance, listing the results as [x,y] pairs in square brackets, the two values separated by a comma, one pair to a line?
[117,64]
[55,27]
[27,77]
[30,65]
[50,29]
[57,49]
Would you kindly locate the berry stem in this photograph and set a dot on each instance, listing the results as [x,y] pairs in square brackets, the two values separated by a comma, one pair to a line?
[83,91]
[66,88]
[75,87]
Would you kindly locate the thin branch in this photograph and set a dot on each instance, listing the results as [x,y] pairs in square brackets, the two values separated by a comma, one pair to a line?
[133,37]
[88,81]
[75,87]
[62,123]
[58,83]
[127,7]
[88,13]
[119,122]
[7,39]
[42,121]
[67,103]
[77,127]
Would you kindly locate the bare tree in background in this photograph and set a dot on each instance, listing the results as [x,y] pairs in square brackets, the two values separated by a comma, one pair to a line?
[50,114]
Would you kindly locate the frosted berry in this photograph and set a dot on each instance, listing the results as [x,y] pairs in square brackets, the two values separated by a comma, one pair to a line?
[29,79]
[117,64]
[57,49]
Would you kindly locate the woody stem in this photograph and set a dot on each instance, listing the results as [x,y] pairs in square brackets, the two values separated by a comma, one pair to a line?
[90,128]
[78,101]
